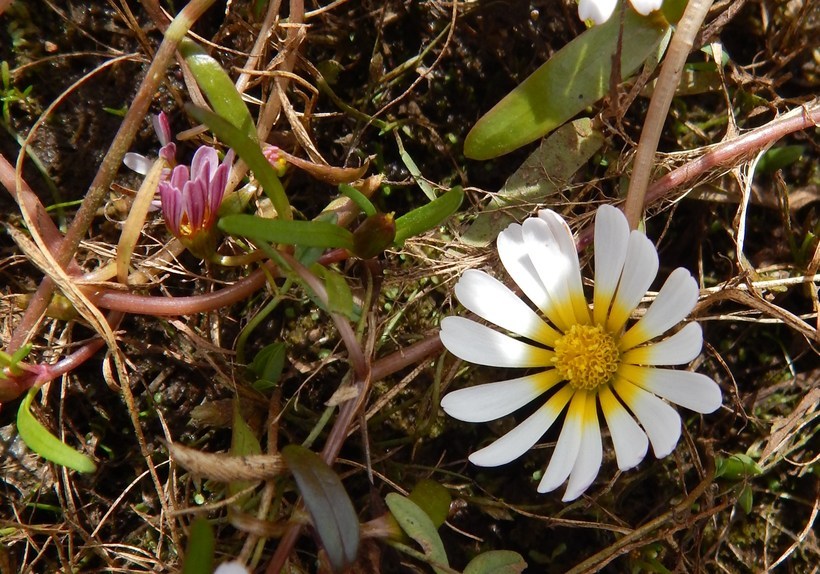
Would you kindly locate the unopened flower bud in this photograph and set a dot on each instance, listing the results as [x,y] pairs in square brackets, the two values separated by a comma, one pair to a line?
[374,235]
[275,159]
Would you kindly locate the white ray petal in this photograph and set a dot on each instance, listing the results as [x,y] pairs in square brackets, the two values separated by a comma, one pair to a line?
[138,163]
[646,6]
[589,457]
[491,401]
[482,345]
[660,421]
[490,299]
[629,439]
[519,440]
[568,446]
[675,300]
[552,267]
[514,257]
[611,239]
[678,349]
[640,268]
[693,391]
[233,567]
[599,11]
[566,244]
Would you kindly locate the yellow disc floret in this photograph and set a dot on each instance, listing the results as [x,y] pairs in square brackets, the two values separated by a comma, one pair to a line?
[586,356]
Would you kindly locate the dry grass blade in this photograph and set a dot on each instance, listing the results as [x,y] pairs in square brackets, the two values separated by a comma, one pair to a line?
[226,467]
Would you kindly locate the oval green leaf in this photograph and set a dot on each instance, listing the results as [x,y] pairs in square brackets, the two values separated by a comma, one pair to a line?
[268,365]
[433,499]
[429,215]
[331,511]
[41,441]
[302,233]
[574,78]
[496,562]
[418,526]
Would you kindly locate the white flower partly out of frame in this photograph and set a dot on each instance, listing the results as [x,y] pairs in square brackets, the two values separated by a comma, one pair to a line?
[599,11]
[581,356]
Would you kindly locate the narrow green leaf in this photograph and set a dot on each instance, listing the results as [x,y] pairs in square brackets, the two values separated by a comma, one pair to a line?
[41,441]
[358,198]
[429,215]
[546,171]
[418,526]
[217,87]
[496,562]
[331,511]
[302,233]
[575,77]
[248,149]
[199,554]
[414,170]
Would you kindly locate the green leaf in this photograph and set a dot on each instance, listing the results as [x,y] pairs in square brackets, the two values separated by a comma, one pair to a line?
[429,215]
[780,157]
[302,233]
[418,526]
[243,443]
[414,170]
[248,149]
[339,296]
[546,171]
[268,365]
[736,467]
[746,499]
[575,77]
[41,441]
[11,362]
[358,198]
[217,87]
[433,499]
[331,511]
[199,554]
[243,440]
[496,562]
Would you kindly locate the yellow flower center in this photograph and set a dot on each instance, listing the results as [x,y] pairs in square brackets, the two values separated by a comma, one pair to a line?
[586,356]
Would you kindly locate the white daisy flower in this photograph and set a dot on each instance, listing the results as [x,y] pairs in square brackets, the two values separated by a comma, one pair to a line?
[579,356]
[599,11]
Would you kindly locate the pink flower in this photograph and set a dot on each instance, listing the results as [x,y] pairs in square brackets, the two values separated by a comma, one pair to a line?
[191,198]
[141,164]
